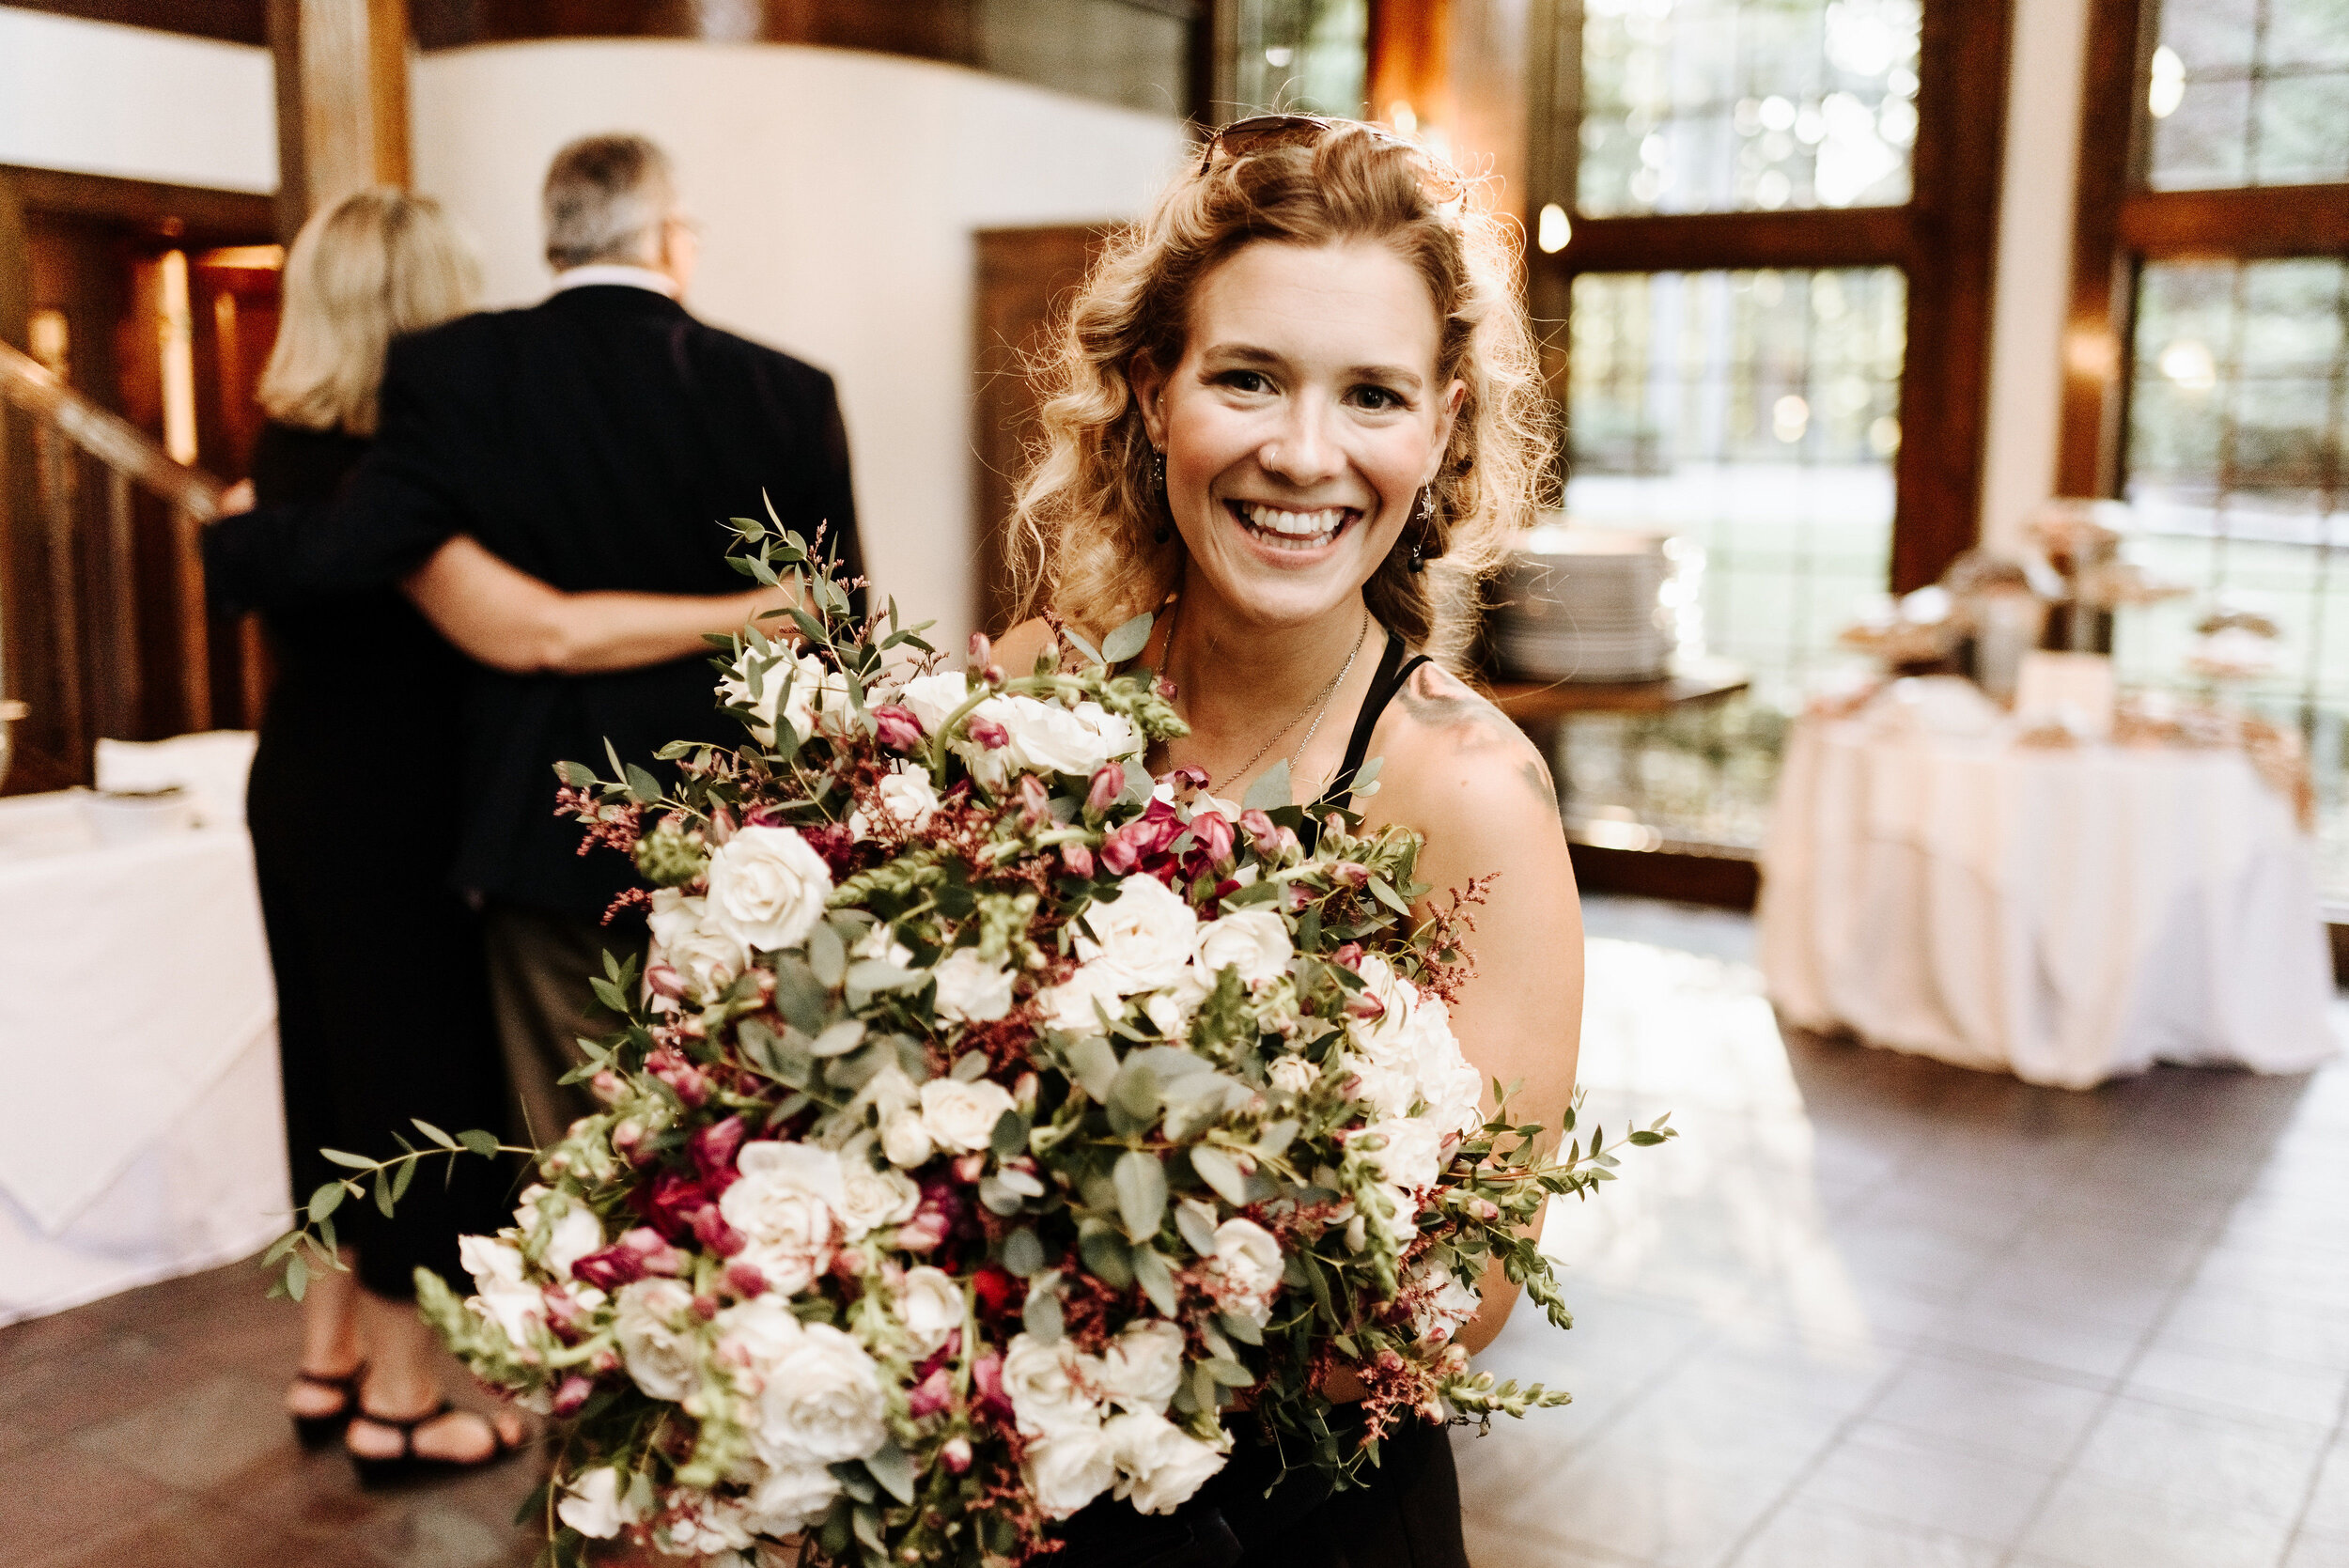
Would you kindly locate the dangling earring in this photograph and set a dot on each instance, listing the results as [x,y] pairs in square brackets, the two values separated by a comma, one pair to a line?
[1423,521]
[1157,481]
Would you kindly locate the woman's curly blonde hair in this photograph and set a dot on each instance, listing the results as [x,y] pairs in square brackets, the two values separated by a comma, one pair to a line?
[1088,515]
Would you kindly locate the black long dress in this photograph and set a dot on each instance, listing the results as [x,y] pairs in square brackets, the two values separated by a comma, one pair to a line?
[383,998]
[1407,1512]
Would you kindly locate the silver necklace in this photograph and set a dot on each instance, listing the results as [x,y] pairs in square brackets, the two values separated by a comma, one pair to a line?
[1328,695]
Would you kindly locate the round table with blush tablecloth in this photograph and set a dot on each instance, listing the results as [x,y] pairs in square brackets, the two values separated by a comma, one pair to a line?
[2064,914]
[142,1135]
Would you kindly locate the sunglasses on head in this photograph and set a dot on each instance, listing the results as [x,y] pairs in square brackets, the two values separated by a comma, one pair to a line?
[1264,132]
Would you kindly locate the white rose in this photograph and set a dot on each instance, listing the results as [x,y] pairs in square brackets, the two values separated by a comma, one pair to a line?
[873,1199]
[1412,1157]
[503,1295]
[1159,1463]
[1067,1471]
[908,798]
[1051,1387]
[572,1230]
[701,1526]
[1249,1259]
[822,1402]
[971,990]
[1140,1366]
[768,681]
[933,699]
[1069,1006]
[789,1498]
[786,1205]
[1390,1088]
[906,1138]
[961,1116]
[1143,939]
[1253,941]
[889,1091]
[1384,1040]
[662,1359]
[754,1336]
[1454,1089]
[595,1504]
[684,937]
[1444,1309]
[767,887]
[1049,737]
[931,1305]
[1293,1074]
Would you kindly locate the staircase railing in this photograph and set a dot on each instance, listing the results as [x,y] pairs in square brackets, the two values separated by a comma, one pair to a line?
[92,556]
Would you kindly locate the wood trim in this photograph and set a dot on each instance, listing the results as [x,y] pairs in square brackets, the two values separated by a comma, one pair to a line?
[190,212]
[2260,222]
[229,20]
[1704,241]
[2096,347]
[1957,169]
[108,437]
[1724,881]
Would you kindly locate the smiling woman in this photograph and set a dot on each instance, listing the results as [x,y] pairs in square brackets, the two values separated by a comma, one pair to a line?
[1296,406]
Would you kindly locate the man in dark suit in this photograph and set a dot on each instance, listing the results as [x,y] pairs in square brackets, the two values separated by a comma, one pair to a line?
[595,441]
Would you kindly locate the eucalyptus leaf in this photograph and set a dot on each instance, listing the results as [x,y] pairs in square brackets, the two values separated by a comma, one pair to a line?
[1010,1136]
[325,1200]
[1244,1329]
[1041,1316]
[892,1469]
[1095,1061]
[1219,1169]
[1197,1221]
[1141,1192]
[356,1162]
[443,1139]
[1023,1255]
[1272,789]
[839,1039]
[1105,1254]
[480,1142]
[827,956]
[1127,640]
[1156,1279]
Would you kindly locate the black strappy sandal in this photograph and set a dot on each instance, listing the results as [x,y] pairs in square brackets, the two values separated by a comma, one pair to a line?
[408,1464]
[315,1432]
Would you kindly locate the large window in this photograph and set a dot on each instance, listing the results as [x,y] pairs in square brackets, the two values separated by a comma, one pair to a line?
[1772,238]
[2210,382]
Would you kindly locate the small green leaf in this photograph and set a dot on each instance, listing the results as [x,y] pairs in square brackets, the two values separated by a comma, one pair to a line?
[642,786]
[1010,1136]
[480,1142]
[1156,1279]
[894,1470]
[1244,1329]
[443,1139]
[1023,1255]
[1041,1316]
[1127,640]
[1095,1060]
[827,956]
[1219,1169]
[297,1275]
[1384,892]
[1105,1254]
[383,1198]
[356,1162]
[325,1200]
[1272,789]
[839,1039]
[1140,1181]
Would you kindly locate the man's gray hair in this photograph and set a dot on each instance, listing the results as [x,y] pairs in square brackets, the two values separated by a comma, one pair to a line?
[606,198]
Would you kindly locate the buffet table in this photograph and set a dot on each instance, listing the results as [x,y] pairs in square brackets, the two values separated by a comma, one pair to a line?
[141,1136]
[2064,914]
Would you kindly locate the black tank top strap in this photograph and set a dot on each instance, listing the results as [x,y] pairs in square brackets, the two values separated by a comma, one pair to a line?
[1395,664]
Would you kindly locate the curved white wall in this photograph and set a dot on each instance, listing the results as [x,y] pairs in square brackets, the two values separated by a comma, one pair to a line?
[837,191]
[128,102]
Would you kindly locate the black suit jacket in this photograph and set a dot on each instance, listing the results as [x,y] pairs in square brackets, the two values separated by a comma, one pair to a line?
[597,441]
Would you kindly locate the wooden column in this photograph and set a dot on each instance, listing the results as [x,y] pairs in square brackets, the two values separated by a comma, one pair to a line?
[1464,69]
[342,100]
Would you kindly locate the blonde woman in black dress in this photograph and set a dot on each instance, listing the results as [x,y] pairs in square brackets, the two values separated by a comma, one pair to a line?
[1296,411]
[384,1002]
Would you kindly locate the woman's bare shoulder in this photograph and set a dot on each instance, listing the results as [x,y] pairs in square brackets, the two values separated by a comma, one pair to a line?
[1018,649]
[1451,754]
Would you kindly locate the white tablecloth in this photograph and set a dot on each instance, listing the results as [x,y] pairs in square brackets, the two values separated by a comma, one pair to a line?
[141,1136]
[2066,915]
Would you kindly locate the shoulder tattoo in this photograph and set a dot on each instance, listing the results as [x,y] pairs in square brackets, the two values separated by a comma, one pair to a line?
[1437,699]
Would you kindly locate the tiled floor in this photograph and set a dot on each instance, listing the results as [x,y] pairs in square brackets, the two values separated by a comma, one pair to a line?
[1876,1312]
[1868,1312]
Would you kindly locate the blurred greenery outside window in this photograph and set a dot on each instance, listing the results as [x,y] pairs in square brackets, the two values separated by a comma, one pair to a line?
[1753,413]
[2239,392]
[1299,56]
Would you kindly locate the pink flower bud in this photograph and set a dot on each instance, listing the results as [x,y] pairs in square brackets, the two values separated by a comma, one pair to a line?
[1353,875]
[721,825]
[982,650]
[934,1394]
[1023,1090]
[1188,779]
[987,733]
[1291,849]
[608,1086]
[969,1167]
[1453,1359]
[1034,802]
[711,1229]
[1109,784]
[954,1454]
[1212,831]
[896,727]
[707,1306]
[1260,832]
[1120,853]
[993,674]
[1362,1004]
[1167,689]
[1484,1209]
[656,1254]
[925,1232]
[570,1395]
[604,1362]
[1077,859]
[665,982]
[745,1279]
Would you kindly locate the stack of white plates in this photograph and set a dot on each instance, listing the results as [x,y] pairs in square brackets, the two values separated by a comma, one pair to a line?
[1585,604]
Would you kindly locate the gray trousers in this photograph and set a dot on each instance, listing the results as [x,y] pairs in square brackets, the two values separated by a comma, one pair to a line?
[539,968]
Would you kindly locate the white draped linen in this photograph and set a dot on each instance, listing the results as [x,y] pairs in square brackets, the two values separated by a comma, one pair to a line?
[142,1135]
[2066,915]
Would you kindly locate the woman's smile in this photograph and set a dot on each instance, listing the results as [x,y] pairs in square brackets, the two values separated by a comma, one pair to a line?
[1290,530]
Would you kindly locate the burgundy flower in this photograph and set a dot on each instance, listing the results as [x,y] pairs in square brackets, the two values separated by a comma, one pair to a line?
[610,1268]
[1077,859]
[672,1202]
[714,1148]
[670,1066]
[572,1393]
[1212,833]
[987,733]
[745,1279]
[1261,832]
[836,845]
[997,1290]
[712,1230]
[986,1376]
[653,1249]
[896,728]
[933,1395]
[956,1455]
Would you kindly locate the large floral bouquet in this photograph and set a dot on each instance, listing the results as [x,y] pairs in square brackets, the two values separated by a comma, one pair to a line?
[992,1130]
